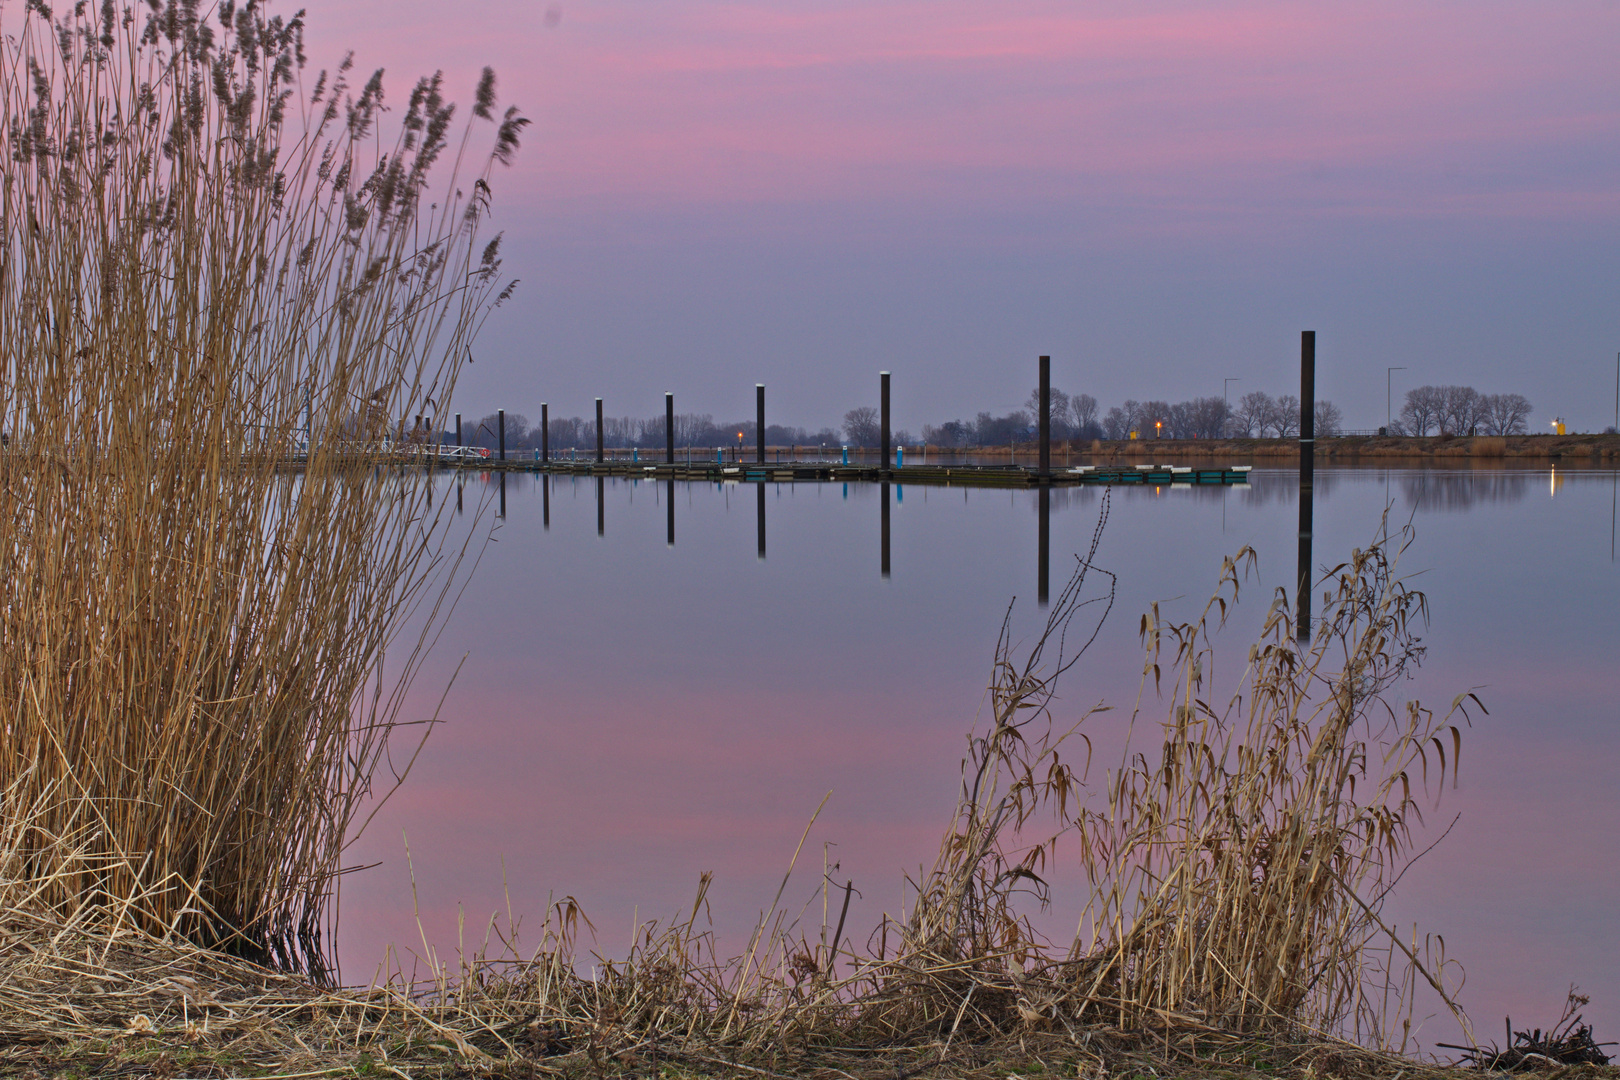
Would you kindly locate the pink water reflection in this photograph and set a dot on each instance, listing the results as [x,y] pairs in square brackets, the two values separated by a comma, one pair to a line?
[632,715]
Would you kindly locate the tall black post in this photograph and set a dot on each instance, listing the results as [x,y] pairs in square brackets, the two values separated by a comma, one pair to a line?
[599,438]
[760,515]
[1043,574]
[601,516]
[759,424]
[885,523]
[545,433]
[500,437]
[1307,469]
[670,498]
[458,430]
[1046,426]
[884,419]
[669,449]
[545,500]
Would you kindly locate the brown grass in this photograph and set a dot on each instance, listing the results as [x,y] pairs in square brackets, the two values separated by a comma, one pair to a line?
[1237,859]
[209,265]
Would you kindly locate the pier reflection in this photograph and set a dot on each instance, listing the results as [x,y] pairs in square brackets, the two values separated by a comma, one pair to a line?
[884,502]
[759,490]
[1043,571]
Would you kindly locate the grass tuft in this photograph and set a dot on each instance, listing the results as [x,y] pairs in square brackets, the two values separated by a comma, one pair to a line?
[202,277]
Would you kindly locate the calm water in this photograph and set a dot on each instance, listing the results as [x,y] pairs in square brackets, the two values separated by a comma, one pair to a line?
[630,714]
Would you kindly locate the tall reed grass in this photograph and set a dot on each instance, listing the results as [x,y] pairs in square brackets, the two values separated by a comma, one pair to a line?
[210,263]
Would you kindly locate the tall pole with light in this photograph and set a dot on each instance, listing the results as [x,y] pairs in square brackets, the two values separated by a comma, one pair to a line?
[1389,397]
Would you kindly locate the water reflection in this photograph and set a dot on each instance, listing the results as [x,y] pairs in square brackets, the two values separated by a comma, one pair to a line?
[1455,492]
[798,675]
[1043,544]
[884,560]
[760,512]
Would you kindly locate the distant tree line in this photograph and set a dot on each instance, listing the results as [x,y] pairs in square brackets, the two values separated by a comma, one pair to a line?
[1462,410]
[1257,414]
[1427,410]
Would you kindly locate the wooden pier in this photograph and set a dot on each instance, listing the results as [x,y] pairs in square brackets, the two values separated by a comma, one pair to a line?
[1001,476]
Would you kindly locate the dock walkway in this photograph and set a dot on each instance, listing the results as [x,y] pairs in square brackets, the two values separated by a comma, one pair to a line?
[833,472]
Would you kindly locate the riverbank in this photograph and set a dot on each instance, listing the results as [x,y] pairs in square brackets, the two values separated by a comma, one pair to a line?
[80,1004]
[1350,448]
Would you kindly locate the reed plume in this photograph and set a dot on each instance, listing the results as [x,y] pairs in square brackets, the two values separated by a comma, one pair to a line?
[210,267]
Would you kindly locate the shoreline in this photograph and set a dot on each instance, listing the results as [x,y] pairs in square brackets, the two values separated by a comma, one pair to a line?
[1575,448]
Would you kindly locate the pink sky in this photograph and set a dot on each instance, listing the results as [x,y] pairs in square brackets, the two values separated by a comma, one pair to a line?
[1160,195]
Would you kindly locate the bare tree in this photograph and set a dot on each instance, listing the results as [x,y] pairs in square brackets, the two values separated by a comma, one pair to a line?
[1115,423]
[1083,409]
[861,426]
[1504,414]
[1284,416]
[1459,409]
[1329,418]
[1253,414]
[1153,414]
[1422,409]
[1059,414]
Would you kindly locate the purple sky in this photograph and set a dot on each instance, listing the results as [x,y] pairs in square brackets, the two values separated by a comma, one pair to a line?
[1159,195]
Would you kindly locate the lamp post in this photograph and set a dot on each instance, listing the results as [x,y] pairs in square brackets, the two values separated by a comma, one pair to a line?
[1389,399]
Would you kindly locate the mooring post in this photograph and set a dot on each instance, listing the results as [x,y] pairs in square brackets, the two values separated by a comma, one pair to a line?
[759,423]
[1046,424]
[500,431]
[545,434]
[1307,469]
[1043,573]
[599,434]
[884,377]
[885,529]
[670,499]
[760,515]
[458,430]
[669,448]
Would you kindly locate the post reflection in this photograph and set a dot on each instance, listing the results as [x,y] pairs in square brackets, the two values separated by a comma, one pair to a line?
[885,512]
[760,514]
[669,493]
[503,495]
[1043,570]
[601,513]
[545,501]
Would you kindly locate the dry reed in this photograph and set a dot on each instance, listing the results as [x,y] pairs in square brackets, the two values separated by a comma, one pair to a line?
[209,267]
[1236,874]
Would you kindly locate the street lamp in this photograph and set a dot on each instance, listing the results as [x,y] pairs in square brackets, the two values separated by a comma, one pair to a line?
[1389,382]
[1158,429]
[738,458]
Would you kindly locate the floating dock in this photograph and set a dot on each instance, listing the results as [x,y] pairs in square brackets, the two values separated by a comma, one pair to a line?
[832,472]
